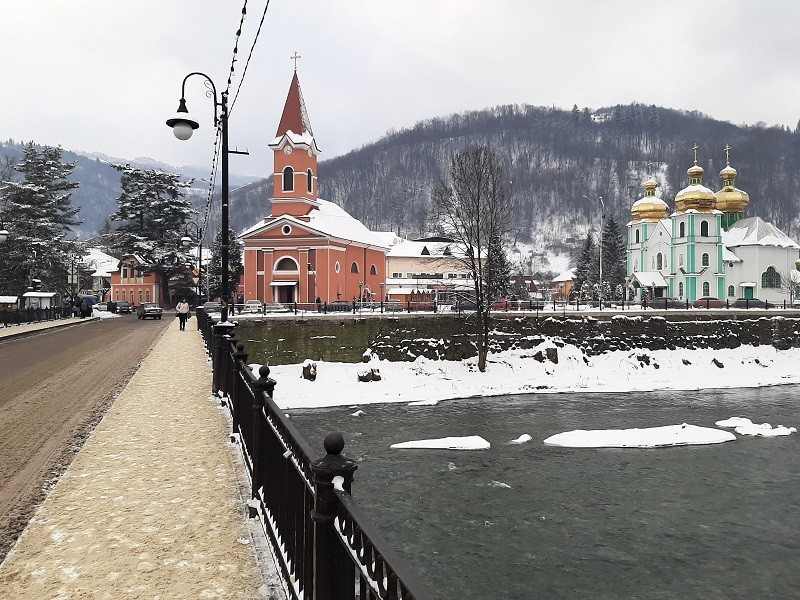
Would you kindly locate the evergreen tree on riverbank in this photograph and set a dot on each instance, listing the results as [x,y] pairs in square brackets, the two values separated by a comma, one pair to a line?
[37,211]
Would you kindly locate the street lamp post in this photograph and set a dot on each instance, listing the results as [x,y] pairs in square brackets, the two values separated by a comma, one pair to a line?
[602,226]
[187,241]
[183,127]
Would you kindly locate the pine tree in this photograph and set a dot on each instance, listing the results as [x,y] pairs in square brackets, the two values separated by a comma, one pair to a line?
[39,216]
[614,255]
[235,265]
[498,270]
[586,271]
[152,214]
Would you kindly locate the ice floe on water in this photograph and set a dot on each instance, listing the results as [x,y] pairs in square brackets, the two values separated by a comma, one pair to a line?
[647,437]
[744,426]
[469,442]
[521,439]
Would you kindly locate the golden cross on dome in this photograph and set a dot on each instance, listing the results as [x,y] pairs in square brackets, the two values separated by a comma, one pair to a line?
[727,155]
[694,149]
[294,58]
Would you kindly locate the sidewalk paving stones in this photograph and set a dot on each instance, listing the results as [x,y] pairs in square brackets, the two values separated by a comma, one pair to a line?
[152,506]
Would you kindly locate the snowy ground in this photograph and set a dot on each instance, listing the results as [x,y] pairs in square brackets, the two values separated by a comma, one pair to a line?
[429,382]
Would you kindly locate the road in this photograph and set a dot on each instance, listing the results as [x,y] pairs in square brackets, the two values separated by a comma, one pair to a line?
[55,387]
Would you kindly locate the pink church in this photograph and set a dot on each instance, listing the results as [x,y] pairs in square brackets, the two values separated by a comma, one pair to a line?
[307,248]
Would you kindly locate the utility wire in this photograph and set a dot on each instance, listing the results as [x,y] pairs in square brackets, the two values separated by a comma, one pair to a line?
[249,56]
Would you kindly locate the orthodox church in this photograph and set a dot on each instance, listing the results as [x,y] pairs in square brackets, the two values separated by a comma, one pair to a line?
[706,246]
[307,250]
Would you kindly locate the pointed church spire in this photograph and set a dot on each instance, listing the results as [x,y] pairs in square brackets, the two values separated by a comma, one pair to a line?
[295,116]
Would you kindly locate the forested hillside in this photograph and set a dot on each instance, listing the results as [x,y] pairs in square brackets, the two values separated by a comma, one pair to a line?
[553,158]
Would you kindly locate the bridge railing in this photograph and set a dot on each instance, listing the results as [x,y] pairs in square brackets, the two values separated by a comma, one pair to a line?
[326,546]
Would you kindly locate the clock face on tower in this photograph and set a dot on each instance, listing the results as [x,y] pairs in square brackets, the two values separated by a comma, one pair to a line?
[287,149]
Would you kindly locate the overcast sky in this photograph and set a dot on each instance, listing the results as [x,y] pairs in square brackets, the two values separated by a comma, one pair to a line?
[97,75]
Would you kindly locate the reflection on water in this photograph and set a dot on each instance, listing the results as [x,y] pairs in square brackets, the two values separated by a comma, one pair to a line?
[530,521]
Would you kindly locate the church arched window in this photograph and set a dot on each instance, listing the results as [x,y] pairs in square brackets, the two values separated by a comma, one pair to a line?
[705,259]
[731,291]
[637,237]
[659,261]
[680,289]
[704,228]
[354,267]
[706,288]
[286,264]
[770,278]
[373,270]
[682,230]
[309,180]
[288,179]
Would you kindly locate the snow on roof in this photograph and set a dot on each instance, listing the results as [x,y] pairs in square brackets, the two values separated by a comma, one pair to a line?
[729,256]
[754,231]
[303,140]
[8,299]
[567,275]
[390,238]
[650,279]
[39,294]
[102,263]
[328,219]
[412,249]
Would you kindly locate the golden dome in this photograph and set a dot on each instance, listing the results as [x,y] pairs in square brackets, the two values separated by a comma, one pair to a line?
[695,171]
[730,198]
[728,173]
[649,208]
[695,196]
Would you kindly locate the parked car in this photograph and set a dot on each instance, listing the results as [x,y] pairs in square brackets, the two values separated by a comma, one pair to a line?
[124,308]
[709,302]
[252,306]
[467,303]
[149,310]
[339,306]
[752,303]
[275,307]
[101,306]
[665,303]
[392,306]
[212,307]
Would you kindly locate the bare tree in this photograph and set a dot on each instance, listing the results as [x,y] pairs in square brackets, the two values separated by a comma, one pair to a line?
[475,210]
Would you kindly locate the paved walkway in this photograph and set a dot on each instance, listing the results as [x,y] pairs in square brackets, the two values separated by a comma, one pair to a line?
[153,506]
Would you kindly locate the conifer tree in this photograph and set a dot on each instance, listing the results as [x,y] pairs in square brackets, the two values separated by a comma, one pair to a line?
[498,270]
[39,216]
[587,271]
[614,255]
[235,265]
[152,214]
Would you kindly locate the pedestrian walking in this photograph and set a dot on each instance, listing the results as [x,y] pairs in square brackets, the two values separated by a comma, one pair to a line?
[182,308]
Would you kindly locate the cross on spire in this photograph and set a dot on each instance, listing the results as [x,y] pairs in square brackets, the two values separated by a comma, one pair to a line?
[694,149]
[727,154]
[294,58]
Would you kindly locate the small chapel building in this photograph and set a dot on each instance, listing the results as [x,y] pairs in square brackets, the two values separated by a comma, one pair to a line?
[706,247]
[307,250]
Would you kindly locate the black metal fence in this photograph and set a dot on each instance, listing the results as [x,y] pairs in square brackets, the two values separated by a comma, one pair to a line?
[20,316]
[326,546]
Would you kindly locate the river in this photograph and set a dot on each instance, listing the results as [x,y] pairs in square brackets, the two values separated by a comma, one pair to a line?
[532,521]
